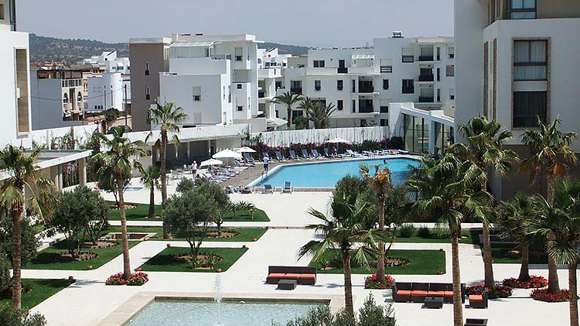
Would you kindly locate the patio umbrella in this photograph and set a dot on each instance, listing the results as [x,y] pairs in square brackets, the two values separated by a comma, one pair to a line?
[338,141]
[211,162]
[245,150]
[227,154]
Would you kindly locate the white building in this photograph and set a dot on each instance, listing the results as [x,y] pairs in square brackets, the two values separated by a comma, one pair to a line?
[109,62]
[270,67]
[362,82]
[517,61]
[106,92]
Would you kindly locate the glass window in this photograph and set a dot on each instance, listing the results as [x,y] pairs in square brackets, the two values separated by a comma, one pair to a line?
[528,107]
[385,84]
[317,85]
[408,86]
[523,9]
[450,71]
[386,69]
[530,60]
[339,85]
[339,105]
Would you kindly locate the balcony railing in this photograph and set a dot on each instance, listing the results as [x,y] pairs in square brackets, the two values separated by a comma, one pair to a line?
[296,90]
[426,78]
[366,109]
[342,70]
[426,99]
[425,58]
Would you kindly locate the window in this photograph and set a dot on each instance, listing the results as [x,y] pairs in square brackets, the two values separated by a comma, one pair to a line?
[451,51]
[339,85]
[386,69]
[408,59]
[147,69]
[239,86]
[353,106]
[530,60]
[278,85]
[523,9]
[384,122]
[384,109]
[385,84]
[317,85]
[240,108]
[65,98]
[196,94]
[239,53]
[438,74]
[147,93]
[354,86]
[438,54]
[452,94]
[528,107]
[1,11]
[319,63]
[408,86]
[450,71]
[339,105]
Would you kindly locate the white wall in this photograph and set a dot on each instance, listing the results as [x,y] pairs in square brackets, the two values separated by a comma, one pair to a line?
[105,92]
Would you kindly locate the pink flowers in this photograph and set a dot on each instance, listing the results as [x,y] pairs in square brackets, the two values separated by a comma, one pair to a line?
[372,282]
[544,295]
[135,279]
[535,282]
[499,291]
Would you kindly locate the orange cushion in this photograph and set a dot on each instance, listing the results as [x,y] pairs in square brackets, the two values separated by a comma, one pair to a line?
[403,292]
[476,298]
[439,294]
[419,293]
[448,294]
[292,276]
[307,276]
[277,275]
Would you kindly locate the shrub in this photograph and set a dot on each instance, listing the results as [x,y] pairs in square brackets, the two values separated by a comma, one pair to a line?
[185,185]
[544,295]
[395,143]
[137,279]
[500,291]
[406,231]
[9,316]
[440,233]
[116,279]
[535,282]
[424,232]
[372,282]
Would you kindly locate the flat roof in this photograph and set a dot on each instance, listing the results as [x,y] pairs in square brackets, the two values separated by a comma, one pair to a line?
[47,159]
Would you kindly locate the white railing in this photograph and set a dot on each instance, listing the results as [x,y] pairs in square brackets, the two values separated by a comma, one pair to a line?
[45,136]
[319,136]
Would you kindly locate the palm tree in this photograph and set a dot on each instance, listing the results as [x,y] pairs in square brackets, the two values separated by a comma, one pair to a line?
[320,114]
[380,183]
[150,179]
[24,190]
[515,218]
[449,189]
[116,164]
[168,117]
[344,231]
[289,100]
[559,222]
[485,149]
[550,157]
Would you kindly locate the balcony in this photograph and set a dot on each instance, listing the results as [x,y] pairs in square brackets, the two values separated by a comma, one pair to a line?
[366,87]
[426,99]
[424,58]
[261,94]
[366,109]
[342,70]
[296,90]
[426,77]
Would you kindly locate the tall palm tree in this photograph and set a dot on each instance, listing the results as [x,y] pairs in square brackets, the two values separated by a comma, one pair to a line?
[559,222]
[550,157]
[116,164]
[515,218]
[320,114]
[380,184]
[344,231]
[485,148]
[150,179]
[23,190]
[289,100]
[448,189]
[168,117]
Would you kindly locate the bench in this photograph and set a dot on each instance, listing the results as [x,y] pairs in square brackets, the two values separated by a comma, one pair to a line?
[287,284]
[475,322]
[302,275]
[417,292]
[478,301]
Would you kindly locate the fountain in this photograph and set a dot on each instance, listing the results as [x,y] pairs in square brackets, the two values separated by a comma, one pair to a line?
[218,300]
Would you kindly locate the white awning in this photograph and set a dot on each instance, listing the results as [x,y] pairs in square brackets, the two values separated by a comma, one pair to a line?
[275,122]
[228,154]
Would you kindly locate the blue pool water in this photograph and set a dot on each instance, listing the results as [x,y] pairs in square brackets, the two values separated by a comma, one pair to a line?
[327,174]
[200,313]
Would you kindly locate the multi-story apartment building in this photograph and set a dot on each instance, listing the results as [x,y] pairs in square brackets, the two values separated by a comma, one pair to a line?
[109,63]
[517,62]
[270,66]
[106,91]
[361,82]
[187,69]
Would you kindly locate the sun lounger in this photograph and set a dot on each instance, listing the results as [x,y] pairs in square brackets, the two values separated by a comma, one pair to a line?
[315,154]
[304,152]
[293,154]
[268,189]
[327,152]
[249,159]
[287,187]
[279,156]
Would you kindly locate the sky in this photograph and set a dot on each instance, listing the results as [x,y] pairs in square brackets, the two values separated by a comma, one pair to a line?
[302,22]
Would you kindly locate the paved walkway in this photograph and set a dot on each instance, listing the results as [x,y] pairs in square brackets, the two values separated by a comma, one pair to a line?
[89,301]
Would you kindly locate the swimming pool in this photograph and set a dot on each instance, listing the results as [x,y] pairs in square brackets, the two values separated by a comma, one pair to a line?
[325,175]
[200,313]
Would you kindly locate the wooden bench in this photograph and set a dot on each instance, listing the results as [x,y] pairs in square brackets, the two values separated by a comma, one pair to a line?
[302,275]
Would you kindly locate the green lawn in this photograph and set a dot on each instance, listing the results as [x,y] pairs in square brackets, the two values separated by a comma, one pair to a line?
[35,291]
[140,212]
[50,258]
[506,254]
[243,234]
[467,237]
[165,261]
[421,262]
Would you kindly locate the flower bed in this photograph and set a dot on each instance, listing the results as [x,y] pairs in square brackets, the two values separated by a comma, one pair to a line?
[135,279]
[535,282]
[544,295]
[500,291]
[372,282]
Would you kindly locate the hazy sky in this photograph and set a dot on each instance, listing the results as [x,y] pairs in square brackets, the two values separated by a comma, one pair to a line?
[303,22]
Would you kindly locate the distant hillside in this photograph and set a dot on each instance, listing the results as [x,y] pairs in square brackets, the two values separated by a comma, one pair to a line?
[69,51]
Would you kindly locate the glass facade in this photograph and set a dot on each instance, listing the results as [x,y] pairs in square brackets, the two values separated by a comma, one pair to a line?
[417,135]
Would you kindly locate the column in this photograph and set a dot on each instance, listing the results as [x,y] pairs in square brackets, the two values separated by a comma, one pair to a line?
[82,170]
[432,136]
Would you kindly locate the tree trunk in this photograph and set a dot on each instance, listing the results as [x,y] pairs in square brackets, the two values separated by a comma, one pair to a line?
[289,115]
[457,302]
[124,239]
[553,281]
[152,202]
[573,286]
[525,266]
[487,257]
[381,260]
[348,306]
[162,152]
[17,217]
